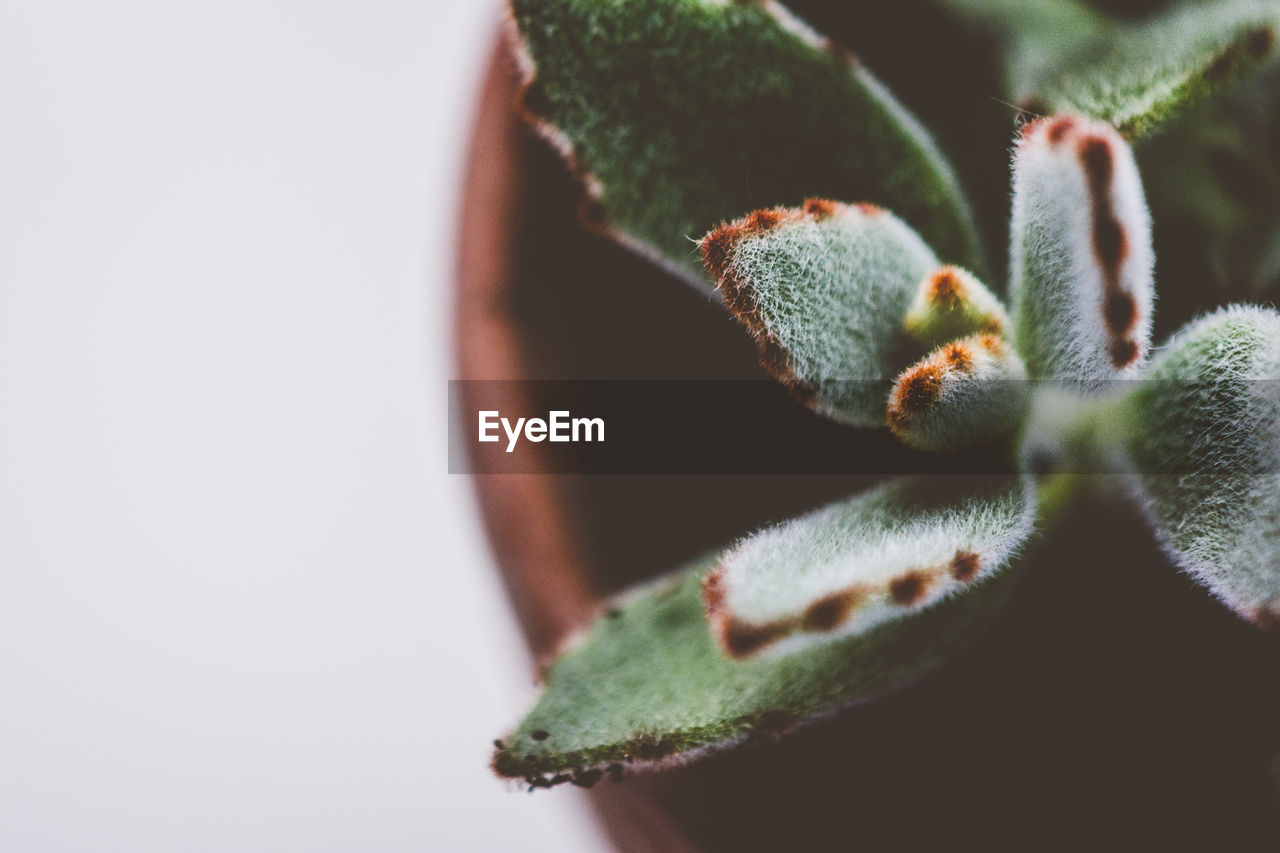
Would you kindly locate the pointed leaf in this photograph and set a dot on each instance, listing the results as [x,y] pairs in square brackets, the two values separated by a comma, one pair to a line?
[823,289]
[1137,76]
[966,392]
[1062,56]
[850,566]
[681,114]
[1205,441]
[1080,255]
[951,303]
[648,683]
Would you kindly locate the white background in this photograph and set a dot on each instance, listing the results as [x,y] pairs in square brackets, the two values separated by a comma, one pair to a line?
[242,605]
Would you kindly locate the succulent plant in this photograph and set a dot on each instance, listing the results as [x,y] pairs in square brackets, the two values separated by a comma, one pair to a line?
[760,161]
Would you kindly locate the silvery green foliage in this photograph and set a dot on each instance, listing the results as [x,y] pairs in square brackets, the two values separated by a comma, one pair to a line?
[965,392]
[1205,441]
[823,289]
[854,598]
[848,567]
[1080,254]
[1065,56]
[1136,76]
[952,303]
[647,685]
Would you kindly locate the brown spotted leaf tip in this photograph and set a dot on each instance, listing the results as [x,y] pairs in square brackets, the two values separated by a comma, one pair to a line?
[1081,258]
[650,686]
[952,303]
[853,565]
[965,392]
[822,289]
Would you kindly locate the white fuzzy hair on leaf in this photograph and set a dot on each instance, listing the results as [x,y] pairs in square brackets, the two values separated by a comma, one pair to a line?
[882,555]
[1080,253]
[1205,444]
[831,291]
[952,303]
[965,392]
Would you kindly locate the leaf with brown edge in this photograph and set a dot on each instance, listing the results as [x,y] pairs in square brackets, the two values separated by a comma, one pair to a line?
[680,114]
[952,303]
[1081,260]
[823,289]
[650,686]
[963,393]
[855,564]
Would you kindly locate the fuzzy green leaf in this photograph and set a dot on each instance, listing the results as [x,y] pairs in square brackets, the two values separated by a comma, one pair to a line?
[1080,253]
[951,303]
[682,114]
[964,393]
[823,289]
[1061,56]
[648,683]
[1137,76]
[1205,441]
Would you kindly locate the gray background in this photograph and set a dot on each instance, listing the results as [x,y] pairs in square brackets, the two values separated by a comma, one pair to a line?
[242,605]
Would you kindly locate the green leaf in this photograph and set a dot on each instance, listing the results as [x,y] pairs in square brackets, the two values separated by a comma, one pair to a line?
[963,393]
[1062,57]
[843,569]
[1080,253]
[1137,76]
[823,289]
[682,114]
[648,683]
[1205,443]
[951,303]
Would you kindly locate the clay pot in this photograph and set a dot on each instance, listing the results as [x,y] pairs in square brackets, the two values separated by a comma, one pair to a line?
[1113,704]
